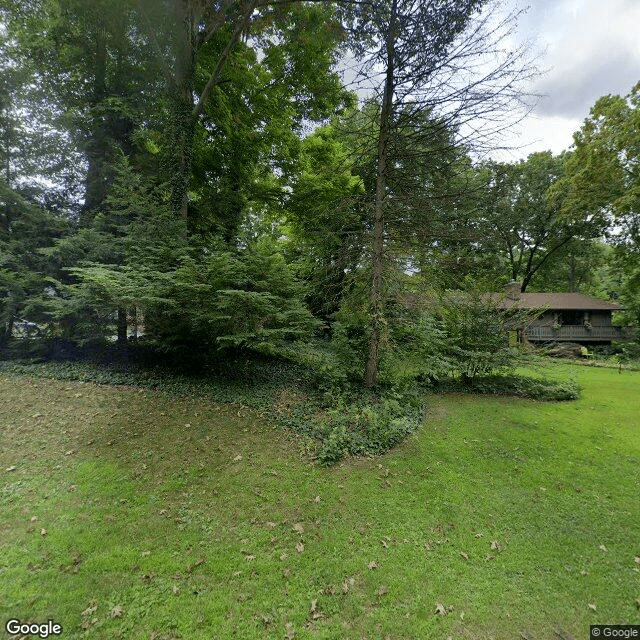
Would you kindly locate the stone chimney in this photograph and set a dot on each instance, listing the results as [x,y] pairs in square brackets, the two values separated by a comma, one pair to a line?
[512,290]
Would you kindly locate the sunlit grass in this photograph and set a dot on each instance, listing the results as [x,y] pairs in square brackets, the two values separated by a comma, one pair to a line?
[185,518]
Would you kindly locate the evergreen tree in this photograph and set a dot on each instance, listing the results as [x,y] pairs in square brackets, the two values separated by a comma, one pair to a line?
[420,58]
[25,229]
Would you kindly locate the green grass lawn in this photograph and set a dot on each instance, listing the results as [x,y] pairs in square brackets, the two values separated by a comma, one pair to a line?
[129,513]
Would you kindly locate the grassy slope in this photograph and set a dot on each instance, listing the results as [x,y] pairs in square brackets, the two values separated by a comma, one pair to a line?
[147,506]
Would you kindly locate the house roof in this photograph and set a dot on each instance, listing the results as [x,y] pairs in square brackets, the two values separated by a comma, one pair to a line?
[558,301]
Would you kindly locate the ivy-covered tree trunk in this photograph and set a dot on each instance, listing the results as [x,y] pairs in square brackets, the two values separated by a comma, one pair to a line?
[96,146]
[182,105]
[376,306]
[185,108]
[182,137]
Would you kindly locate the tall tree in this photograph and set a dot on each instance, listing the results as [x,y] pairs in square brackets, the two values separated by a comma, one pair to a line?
[524,223]
[424,59]
[326,218]
[248,136]
[198,44]
[603,176]
[38,157]
[89,63]
[577,268]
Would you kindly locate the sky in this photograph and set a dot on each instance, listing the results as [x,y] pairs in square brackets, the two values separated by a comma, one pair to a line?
[586,49]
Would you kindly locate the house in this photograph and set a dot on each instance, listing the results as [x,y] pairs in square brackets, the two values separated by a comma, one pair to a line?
[566,317]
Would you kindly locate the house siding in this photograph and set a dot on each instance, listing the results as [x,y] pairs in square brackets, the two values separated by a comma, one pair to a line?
[547,328]
[564,317]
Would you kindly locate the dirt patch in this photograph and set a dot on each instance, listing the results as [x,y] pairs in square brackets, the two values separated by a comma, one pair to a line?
[286,400]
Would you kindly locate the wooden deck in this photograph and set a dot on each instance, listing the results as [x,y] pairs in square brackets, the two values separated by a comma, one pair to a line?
[578,333]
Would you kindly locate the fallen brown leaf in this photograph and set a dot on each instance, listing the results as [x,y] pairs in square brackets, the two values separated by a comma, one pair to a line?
[88,623]
[117,611]
[197,563]
[592,606]
[440,610]
[373,565]
[347,584]
[314,606]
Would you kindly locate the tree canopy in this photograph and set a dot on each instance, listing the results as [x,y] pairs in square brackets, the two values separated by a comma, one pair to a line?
[202,170]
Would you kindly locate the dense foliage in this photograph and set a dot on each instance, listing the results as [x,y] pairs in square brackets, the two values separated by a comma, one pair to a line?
[194,181]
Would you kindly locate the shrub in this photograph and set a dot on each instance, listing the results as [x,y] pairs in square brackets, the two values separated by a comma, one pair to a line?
[526,387]
[371,428]
[476,329]
[629,351]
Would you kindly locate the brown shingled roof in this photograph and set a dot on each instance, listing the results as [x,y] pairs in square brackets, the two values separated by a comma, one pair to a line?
[560,301]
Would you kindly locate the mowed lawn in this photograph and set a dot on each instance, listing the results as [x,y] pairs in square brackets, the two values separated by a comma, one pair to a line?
[128,513]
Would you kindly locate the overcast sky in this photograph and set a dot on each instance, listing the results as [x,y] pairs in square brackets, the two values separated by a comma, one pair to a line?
[589,48]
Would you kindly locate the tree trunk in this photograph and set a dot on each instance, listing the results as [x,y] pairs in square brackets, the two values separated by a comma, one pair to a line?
[122,326]
[7,147]
[7,331]
[183,149]
[134,316]
[572,275]
[183,123]
[95,187]
[376,304]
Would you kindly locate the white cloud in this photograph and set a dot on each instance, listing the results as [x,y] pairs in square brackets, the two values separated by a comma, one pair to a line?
[591,49]
[535,133]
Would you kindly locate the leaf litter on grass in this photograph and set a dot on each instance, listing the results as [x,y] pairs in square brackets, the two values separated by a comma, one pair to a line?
[280,508]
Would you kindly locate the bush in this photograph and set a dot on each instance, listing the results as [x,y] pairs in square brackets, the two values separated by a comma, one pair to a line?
[523,386]
[477,334]
[628,351]
[368,429]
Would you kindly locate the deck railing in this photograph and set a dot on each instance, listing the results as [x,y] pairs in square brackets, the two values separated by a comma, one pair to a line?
[579,333]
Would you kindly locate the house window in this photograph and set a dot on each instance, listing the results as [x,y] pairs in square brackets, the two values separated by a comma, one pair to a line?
[572,317]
